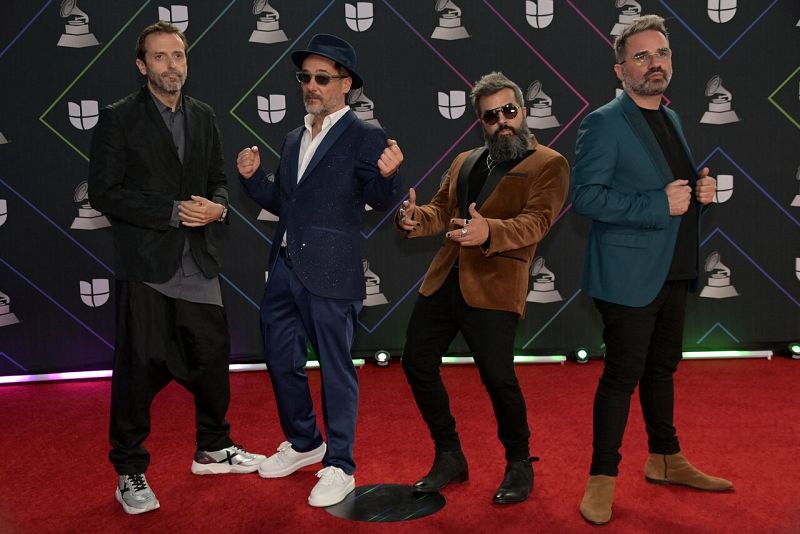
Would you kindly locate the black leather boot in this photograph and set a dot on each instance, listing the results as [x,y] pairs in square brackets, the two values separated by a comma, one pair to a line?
[448,466]
[517,483]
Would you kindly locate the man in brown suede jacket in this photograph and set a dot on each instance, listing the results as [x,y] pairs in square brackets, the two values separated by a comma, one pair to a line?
[495,204]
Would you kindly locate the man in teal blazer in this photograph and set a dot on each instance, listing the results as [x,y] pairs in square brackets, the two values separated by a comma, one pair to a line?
[635,178]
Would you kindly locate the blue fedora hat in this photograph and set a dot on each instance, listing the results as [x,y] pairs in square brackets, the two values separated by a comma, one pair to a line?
[333,48]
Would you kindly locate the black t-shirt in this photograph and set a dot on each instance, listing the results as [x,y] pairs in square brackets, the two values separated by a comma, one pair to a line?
[684,259]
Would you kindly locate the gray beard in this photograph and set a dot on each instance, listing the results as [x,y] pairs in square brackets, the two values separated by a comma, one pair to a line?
[508,148]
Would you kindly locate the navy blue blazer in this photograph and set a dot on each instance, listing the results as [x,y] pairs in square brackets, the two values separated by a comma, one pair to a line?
[618,181]
[322,214]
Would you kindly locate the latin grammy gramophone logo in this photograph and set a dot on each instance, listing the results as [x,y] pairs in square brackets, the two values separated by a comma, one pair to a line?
[629,11]
[449,28]
[76,30]
[3,139]
[721,11]
[718,285]
[362,106]
[373,285]
[796,200]
[268,29]
[88,218]
[176,15]
[83,116]
[539,14]
[724,188]
[7,317]
[95,293]
[272,108]
[452,104]
[797,268]
[720,104]
[359,16]
[3,211]
[540,112]
[543,289]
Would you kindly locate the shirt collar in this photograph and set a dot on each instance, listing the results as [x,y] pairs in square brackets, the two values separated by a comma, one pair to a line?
[328,121]
[162,107]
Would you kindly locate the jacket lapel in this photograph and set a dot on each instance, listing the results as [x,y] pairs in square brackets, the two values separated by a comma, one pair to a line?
[645,135]
[330,138]
[289,177]
[463,179]
[495,176]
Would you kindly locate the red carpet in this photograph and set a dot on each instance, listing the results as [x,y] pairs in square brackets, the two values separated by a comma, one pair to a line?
[737,419]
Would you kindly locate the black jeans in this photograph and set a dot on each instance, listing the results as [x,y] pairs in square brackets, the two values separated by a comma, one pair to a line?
[643,346]
[489,334]
[160,339]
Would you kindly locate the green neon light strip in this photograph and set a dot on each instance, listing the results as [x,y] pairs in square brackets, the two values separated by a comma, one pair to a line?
[774,103]
[719,354]
[554,358]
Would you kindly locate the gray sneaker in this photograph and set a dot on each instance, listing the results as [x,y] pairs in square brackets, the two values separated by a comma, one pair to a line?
[134,494]
[233,459]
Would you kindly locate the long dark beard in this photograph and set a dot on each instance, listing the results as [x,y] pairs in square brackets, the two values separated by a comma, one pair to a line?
[507,148]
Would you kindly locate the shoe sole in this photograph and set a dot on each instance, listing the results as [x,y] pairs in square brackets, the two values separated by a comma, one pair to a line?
[596,523]
[324,504]
[664,482]
[134,511]
[292,468]
[222,469]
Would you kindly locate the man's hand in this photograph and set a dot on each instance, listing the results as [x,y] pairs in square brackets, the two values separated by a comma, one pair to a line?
[248,161]
[390,159]
[678,195]
[405,215]
[199,211]
[470,232]
[706,187]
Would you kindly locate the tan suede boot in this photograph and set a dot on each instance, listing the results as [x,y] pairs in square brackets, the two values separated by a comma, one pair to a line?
[598,499]
[676,469]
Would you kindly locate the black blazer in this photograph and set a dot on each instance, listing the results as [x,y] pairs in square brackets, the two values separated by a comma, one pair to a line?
[135,177]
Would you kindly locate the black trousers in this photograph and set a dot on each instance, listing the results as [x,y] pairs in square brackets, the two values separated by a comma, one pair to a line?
[489,334]
[160,339]
[644,347]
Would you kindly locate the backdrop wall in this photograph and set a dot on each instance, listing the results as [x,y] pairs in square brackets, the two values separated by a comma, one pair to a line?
[736,86]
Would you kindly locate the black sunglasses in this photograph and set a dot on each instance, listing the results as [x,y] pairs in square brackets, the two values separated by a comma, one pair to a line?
[491,116]
[319,79]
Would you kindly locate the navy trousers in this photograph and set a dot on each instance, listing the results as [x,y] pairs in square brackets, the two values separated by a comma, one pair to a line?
[290,318]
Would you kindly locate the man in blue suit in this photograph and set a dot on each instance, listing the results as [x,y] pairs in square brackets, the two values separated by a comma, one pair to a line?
[635,178]
[329,169]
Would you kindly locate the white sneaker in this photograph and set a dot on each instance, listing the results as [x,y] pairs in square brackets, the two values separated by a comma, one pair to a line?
[135,495]
[287,460]
[333,486]
[233,459]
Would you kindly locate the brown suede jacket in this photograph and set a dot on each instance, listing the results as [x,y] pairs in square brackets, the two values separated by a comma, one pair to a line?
[519,211]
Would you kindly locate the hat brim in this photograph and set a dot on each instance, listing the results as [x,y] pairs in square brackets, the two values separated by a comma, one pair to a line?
[298,56]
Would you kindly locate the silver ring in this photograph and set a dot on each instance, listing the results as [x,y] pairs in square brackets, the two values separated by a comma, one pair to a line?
[463,231]
[466,222]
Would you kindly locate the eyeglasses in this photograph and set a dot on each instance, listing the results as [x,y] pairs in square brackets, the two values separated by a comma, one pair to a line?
[320,79]
[491,116]
[640,58]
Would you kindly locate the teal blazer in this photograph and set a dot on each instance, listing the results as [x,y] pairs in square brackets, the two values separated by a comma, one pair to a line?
[618,182]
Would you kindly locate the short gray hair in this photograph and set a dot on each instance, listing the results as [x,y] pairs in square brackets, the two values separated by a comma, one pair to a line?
[643,23]
[489,84]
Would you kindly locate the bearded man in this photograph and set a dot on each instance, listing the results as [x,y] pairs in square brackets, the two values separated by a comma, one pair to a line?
[496,203]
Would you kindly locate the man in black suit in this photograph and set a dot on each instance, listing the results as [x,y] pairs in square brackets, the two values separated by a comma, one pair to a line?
[156,171]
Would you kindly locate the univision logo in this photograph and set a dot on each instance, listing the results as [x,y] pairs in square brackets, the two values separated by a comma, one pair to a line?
[95,293]
[83,116]
[176,15]
[359,17]
[452,104]
[272,108]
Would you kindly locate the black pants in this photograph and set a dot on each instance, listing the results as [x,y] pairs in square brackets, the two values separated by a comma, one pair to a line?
[160,339]
[643,346]
[489,334]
